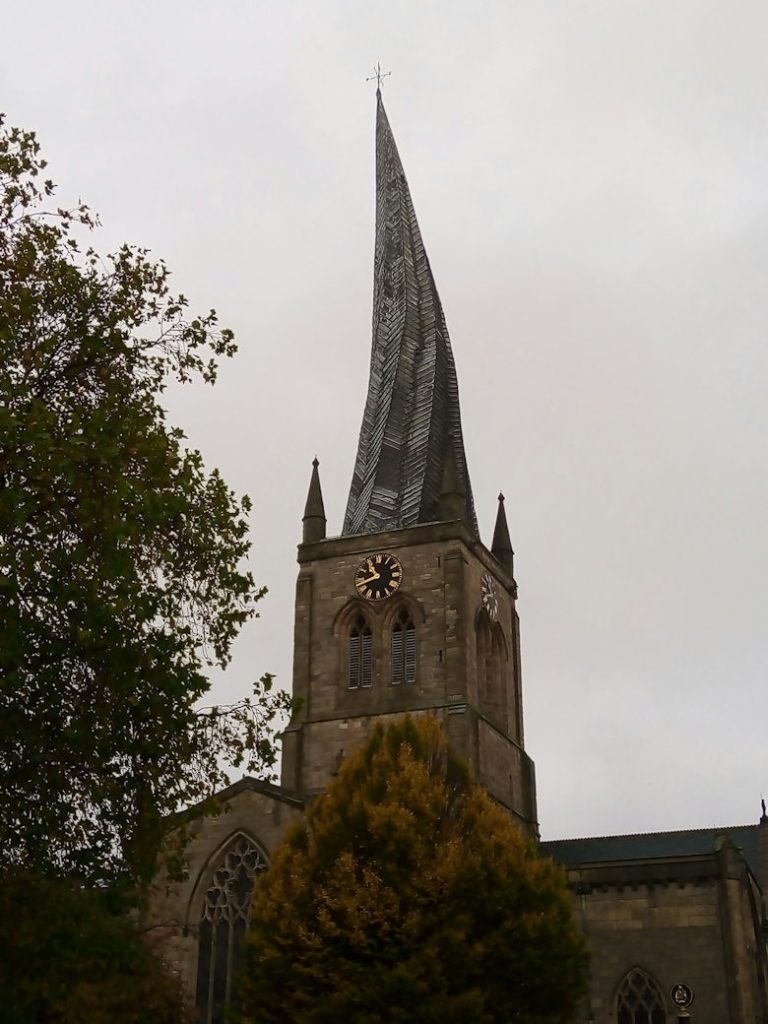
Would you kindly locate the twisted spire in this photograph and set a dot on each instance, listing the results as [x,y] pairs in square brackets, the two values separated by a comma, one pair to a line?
[411,424]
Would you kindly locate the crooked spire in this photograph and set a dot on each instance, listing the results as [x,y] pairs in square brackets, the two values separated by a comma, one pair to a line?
[453,498]
[411,431]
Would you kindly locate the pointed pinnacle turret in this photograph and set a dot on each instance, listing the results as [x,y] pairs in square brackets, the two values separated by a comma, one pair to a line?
[502,545]
[412,406]
[313,523]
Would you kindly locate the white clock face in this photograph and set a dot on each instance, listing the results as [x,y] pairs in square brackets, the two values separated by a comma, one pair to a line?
[488,595]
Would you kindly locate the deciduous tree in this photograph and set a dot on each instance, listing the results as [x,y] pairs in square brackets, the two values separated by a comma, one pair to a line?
[408,895]
[69,955]
[121,557]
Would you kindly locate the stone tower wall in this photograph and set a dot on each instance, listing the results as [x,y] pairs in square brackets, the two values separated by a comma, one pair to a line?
[442,569]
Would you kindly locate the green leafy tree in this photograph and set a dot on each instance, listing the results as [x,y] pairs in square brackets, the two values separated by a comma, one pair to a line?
[409,895]
[121,558]
[68,955]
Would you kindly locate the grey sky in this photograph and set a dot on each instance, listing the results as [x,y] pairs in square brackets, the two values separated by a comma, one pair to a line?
[591,181]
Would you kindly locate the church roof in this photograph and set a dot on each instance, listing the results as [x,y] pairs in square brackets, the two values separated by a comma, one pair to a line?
[411,422]
[652,845]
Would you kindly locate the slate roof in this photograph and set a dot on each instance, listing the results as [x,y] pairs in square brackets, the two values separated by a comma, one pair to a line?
[652,845]
[411,419]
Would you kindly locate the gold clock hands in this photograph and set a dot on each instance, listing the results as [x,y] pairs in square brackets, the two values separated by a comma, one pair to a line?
[374,575]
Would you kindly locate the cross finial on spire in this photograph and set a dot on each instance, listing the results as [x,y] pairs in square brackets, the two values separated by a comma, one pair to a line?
[378,74]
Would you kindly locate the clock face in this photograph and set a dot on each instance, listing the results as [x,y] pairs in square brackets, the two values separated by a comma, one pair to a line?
[488,593]
[378,577]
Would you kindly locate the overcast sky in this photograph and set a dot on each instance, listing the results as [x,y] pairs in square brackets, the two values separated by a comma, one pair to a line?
[591,181]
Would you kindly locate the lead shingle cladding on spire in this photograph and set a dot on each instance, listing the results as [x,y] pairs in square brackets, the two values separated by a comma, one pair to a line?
[411,418]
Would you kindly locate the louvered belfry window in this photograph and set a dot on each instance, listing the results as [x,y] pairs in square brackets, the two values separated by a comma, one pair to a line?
[360,655]
[640,1000]
[403,650]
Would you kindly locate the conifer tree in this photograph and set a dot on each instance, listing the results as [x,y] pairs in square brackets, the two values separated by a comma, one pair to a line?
[408,895]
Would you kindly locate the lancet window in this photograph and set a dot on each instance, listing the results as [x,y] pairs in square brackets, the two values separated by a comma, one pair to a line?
[360,670]
[223,923]
[639,1000]
[491,667]
[403,649]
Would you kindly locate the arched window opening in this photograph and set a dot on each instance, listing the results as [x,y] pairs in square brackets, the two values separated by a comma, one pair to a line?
[403,649]
[491,668]
[498,669]
[483,651]
[360,655]
[223,923]
[639,1000]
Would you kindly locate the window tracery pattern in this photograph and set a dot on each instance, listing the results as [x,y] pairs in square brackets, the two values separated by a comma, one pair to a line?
[223,924]
[639,1000]
[403,649]
[360,662]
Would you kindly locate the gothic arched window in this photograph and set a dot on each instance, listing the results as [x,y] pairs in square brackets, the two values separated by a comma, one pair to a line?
[491,667]
[403,649]
[360,655]
[639,1000]
[223,922]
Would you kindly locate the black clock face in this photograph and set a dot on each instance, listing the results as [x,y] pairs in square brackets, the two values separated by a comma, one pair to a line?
[378,577]
[488,595]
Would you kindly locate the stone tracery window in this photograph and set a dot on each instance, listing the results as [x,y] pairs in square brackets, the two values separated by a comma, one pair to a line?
[223,923]
[639,1000]
[360,666]
[403,649]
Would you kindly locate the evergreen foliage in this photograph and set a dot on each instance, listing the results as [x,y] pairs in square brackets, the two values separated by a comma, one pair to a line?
[121,578]
[408,895]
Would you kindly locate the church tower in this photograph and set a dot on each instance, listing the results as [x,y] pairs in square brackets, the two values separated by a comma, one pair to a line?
[406,610]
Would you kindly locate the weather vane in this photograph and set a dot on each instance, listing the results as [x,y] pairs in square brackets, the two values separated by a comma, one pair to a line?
[378,74]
